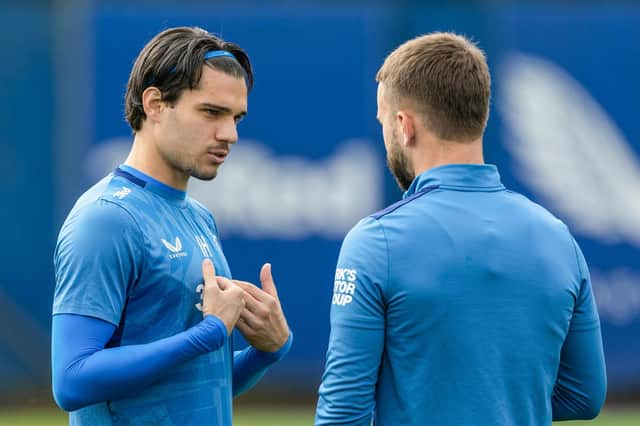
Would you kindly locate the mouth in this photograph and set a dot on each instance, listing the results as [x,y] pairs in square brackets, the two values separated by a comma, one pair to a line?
[217,156]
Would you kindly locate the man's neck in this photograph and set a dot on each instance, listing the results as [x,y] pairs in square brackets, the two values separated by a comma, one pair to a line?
[145,157]
[441,153]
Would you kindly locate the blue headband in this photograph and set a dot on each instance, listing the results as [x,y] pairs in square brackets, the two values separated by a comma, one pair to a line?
[213,54]
[209,55]
[217,53]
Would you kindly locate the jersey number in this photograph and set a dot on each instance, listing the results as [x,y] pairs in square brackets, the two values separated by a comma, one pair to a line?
[199,290]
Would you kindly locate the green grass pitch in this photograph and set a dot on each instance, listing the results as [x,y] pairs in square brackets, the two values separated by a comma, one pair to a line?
[281,416]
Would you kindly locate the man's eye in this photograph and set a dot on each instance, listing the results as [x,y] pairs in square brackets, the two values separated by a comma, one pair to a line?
[212,112]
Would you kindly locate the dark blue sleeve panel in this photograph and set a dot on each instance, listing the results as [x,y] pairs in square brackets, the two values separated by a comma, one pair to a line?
[85,373]
[250,364]
[581,386]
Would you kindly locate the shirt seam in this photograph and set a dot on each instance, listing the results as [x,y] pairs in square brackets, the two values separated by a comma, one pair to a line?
[401,203]
[82,310]
[584,325]
[581,277]
[386,243]
[577,324]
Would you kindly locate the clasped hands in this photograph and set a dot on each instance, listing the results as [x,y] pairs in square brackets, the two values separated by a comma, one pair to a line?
[255,312]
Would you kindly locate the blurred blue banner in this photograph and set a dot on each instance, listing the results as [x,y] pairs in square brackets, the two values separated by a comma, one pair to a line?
[26,208]
[310,161]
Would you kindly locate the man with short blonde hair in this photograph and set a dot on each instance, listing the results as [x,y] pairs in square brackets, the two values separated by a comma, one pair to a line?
[467,304]
[446,79]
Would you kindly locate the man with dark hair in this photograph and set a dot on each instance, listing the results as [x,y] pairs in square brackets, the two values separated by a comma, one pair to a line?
[141,323]
[464,303]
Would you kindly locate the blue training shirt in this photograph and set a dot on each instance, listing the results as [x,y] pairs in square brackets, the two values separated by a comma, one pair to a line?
[130,253]
[462,304]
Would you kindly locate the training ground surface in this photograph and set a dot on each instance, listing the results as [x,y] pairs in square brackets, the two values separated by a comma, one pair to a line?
[281,416]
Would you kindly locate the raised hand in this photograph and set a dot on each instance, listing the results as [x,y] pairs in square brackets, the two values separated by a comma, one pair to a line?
[221,297]
[262,322]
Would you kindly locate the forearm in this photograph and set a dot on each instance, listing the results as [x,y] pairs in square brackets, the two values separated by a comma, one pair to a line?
[347,392]
[85,373]
[250,364]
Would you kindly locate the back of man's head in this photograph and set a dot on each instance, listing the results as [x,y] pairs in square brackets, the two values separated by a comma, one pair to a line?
[445,78]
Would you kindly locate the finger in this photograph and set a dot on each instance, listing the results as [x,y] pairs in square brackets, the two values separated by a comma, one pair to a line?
[266,280]
[249,319]
[208,272]
[257,301]
[251,303]
[244,328]
[250,288]
[224,283]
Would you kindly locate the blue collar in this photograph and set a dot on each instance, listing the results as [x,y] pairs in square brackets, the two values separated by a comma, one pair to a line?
[153,185]
[465,177]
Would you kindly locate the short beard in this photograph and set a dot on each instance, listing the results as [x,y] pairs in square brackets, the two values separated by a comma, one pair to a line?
[400,165]
[190,170]
[201,176]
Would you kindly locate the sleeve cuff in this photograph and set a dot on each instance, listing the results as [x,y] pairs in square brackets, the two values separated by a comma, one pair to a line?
[277,355]
[213,333]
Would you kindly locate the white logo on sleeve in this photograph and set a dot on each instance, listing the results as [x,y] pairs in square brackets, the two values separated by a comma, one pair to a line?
[176,250]
[122,193]
[344,286]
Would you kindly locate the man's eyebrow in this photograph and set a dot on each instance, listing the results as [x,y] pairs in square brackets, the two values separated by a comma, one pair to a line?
[221,108]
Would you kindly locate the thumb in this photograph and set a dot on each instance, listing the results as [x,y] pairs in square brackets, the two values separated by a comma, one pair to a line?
[266,280]
[208,272]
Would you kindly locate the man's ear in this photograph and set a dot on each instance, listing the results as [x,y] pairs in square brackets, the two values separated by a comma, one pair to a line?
[407,123]
[152,103]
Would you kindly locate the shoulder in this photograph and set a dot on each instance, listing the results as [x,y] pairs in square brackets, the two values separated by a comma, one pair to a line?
[363,266]
[537,211]
[112,189]
[554,235]
[101,209]
[365,240]
[98,225]
[404,203]
[371,228]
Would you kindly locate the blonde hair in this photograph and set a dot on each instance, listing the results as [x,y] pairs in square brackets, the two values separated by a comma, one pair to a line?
[446,78]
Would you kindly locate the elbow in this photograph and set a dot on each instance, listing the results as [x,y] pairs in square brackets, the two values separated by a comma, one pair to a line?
[597,398]
[579,404]
[596,403]
[65,401]
[593,405]
[589,412]
[64,395]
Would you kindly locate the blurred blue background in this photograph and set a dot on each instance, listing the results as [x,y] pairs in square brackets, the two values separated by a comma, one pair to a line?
[564,130]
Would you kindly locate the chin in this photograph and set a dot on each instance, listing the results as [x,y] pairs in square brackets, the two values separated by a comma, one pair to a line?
[205,175]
